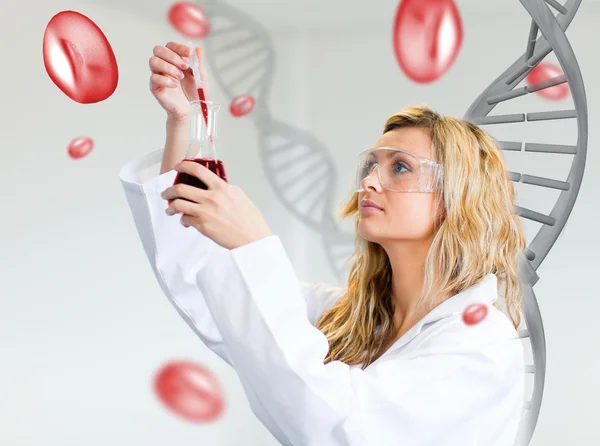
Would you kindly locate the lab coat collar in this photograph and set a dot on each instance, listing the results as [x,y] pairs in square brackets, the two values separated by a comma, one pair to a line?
[483,292]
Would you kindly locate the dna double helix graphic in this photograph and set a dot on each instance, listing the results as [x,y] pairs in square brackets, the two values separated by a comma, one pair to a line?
[553,39]
[303,175]
[298,166]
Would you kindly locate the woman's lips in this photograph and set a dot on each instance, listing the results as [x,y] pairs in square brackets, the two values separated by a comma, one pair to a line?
[369,204]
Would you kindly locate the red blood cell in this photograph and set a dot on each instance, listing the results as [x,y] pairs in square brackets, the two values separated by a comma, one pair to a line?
[427,37]
[189,19]
[80,147]
[79,59]
[190,391]
[474,314]
[545,71]
[241,105]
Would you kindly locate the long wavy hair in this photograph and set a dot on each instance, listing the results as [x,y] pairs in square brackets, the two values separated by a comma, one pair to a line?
[479,234]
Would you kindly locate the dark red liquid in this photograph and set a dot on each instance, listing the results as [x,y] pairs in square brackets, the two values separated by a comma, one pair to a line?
[216,166]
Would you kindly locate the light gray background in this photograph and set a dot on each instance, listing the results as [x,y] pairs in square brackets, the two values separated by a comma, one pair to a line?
[84,325]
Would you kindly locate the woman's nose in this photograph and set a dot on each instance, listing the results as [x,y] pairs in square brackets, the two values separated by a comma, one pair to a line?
[372,182]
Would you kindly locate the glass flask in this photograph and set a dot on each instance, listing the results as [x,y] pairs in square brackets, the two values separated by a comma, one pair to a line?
[202,147]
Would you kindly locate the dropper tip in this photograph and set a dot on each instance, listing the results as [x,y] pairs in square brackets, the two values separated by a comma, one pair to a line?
[195,58]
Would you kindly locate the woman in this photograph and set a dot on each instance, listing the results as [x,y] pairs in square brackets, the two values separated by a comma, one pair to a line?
[387,360]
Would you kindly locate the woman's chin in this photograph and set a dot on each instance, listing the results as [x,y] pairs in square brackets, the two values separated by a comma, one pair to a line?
[366,231]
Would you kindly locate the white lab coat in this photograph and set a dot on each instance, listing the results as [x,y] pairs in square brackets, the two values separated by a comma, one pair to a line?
[442,383]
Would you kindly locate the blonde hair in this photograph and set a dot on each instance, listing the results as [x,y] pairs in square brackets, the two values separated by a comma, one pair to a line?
[479,234]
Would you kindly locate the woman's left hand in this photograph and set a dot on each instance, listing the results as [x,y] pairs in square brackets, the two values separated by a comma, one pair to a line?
[222,213]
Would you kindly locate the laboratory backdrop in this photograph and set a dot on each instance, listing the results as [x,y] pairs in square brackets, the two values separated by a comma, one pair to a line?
[91,351]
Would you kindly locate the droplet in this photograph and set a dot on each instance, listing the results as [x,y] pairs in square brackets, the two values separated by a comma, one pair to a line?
[427,37]
[80,147]
[190,390]
[545,71]
[189,19]
[79,59]
[474,313]
[241,105]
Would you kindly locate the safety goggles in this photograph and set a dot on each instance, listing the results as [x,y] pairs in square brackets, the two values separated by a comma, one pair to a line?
[399,170]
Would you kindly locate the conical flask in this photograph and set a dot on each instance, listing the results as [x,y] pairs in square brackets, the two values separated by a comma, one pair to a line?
[202,145]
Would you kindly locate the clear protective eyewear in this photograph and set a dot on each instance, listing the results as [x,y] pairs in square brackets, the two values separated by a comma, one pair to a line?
[399,170]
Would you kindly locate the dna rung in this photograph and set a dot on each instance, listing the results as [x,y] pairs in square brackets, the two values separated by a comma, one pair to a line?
[522,117]
[542,85]
[510,145]
[535,216]
[550,148]
[499,119]
[550,115]
[538,181]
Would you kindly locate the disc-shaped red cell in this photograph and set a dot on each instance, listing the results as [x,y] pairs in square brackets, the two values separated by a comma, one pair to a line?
[543,71]
[79,59]
[474,313]
[190,390]
[241,105]
[427,37]
[80,147]
[189,19]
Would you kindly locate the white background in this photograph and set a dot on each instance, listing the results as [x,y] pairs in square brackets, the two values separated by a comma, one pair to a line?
[83,323]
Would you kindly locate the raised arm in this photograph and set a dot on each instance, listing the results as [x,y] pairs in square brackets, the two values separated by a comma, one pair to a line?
[176,254]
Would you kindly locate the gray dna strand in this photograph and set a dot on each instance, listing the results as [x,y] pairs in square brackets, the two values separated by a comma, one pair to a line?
[303,174]
[553,39]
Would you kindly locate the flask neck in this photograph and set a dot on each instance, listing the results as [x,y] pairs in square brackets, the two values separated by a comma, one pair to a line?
[203,130]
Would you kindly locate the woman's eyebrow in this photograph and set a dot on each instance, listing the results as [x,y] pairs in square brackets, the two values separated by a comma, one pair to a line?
[390,153]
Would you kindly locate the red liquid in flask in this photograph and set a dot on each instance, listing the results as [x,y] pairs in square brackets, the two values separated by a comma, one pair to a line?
[216,166]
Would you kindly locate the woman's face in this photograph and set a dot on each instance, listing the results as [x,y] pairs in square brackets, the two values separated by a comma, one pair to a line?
[405,216]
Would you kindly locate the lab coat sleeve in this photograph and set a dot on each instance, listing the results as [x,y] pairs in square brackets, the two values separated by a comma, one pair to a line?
[176,253]
[258,307]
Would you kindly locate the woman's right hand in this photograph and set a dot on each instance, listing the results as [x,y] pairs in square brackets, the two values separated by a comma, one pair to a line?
[170,69]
